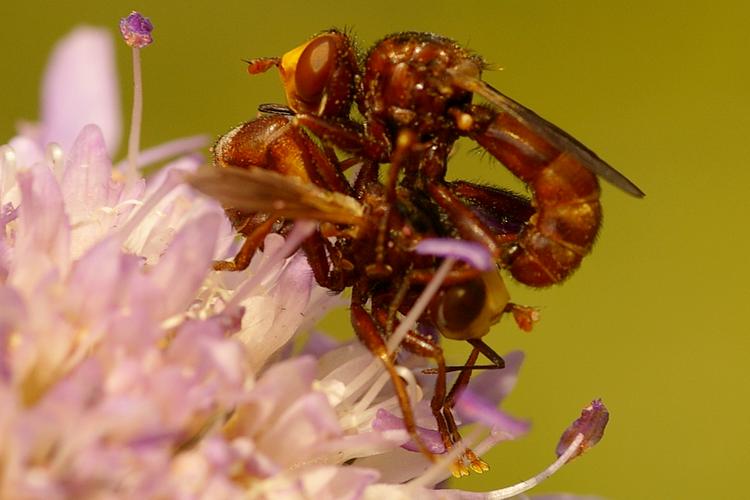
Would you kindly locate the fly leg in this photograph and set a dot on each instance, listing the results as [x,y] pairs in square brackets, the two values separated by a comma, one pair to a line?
[443,402]
[372,337]
[477,464]
[254,236]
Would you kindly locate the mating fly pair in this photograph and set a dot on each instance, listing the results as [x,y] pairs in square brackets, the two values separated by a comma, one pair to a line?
[414,96]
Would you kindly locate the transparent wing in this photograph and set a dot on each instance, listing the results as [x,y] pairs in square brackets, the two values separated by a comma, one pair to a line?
[260,190]
[467,78]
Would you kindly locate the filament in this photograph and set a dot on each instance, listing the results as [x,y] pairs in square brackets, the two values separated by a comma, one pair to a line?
[136,118]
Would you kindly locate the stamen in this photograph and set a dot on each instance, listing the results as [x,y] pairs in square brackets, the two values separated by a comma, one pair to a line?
[590,424]
[362,379]
[412,387]
[366,412]
[438,471]
[346,392]
[582,434]
[136,30]
[135,120]
[519,488]
[496,436]
[365,401]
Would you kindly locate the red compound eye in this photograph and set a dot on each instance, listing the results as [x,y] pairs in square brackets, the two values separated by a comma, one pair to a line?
[467,310]
[462,304]
[314,68]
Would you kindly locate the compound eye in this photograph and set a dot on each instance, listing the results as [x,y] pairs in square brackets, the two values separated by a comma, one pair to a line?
[462,304]
[467,310]
[314,68]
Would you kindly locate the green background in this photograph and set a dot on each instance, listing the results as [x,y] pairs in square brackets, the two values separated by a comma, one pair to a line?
[653,322]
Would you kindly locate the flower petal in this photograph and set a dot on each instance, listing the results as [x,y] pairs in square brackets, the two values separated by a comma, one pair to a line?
[345,483]
[296,433]
[80,87]
[43,237]
[185,264]
[385,421]
[476,409]
[89,190]
[100,269]
[318,344]
[26,151]
[290,296]
[12,313]
[88,170]
[396,466]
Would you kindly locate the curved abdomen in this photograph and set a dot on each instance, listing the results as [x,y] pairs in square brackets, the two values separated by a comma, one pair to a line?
[565,195]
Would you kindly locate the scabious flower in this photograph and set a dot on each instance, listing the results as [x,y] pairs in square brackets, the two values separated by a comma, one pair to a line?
[130,369]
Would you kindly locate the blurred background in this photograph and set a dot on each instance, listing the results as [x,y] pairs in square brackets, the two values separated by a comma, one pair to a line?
[652,323]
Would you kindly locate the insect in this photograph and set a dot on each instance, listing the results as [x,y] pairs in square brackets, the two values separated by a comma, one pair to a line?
[414,95]
[468,303]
